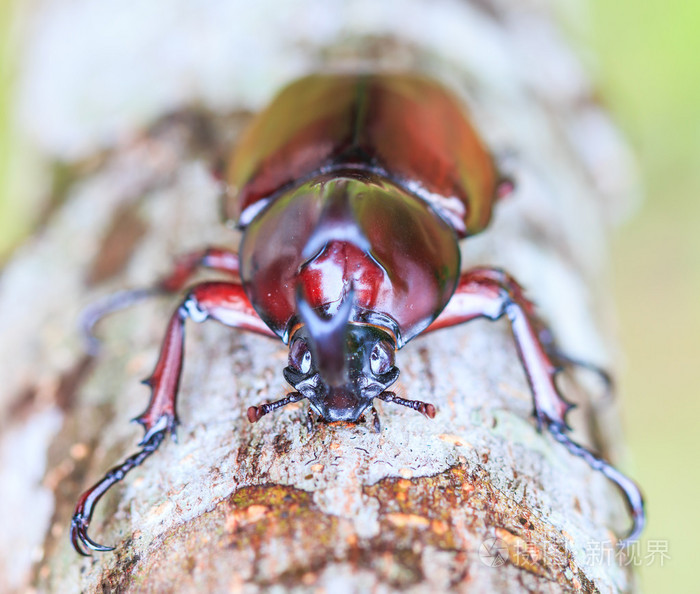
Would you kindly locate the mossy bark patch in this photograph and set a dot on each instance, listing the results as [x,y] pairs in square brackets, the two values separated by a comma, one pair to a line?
[275,534]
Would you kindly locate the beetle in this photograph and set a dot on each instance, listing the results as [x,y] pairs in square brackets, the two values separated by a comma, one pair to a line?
[352,192]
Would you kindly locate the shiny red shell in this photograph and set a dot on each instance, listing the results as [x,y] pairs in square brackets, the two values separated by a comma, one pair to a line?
[343,232]
[405,127]
[362,183]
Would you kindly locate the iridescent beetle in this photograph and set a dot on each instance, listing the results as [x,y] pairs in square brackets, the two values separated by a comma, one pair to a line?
[352,192]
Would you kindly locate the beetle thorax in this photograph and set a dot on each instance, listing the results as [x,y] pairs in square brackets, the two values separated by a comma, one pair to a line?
[328,235]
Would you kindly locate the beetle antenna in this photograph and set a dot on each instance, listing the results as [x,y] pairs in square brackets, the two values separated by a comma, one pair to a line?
[425,408]
[256,412]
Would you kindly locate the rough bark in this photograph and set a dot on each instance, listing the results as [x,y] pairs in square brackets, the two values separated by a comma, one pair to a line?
[240,507]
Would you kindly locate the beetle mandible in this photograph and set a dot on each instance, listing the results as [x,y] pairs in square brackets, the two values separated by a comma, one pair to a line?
[352,191]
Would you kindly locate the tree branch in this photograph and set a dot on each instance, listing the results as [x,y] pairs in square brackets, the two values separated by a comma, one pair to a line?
[423,505]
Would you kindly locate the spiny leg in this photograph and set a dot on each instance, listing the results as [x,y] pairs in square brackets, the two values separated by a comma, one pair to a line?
[224,302]
[626,485]
[492,293]
[212,258]
[86,504]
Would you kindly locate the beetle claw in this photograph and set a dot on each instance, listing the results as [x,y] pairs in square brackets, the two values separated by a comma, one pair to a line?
[76,538]
[86,504]
[632,493]
[79,534]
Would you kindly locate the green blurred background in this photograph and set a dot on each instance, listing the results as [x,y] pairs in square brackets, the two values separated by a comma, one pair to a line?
[649,56]
[648,69]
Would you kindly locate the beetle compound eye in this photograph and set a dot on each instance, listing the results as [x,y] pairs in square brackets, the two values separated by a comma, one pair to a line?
[381,359]
[305,362]
[300,356]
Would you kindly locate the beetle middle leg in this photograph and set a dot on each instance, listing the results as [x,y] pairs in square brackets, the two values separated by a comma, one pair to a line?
[184,267]
[224,302]
[492,293]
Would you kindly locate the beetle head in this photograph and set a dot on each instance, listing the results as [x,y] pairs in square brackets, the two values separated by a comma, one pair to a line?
[368,370]
[339,366]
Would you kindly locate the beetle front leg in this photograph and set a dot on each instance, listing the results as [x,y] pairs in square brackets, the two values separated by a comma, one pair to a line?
[491,293]
[224,302]
[86,504]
